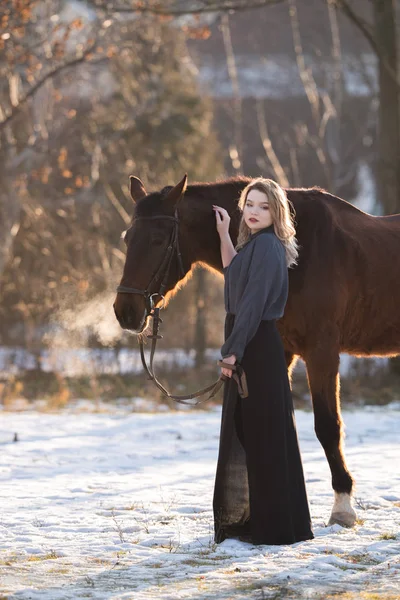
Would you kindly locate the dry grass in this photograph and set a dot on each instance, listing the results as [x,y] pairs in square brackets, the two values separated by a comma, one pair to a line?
[51,555]
[363,385]
[388,536]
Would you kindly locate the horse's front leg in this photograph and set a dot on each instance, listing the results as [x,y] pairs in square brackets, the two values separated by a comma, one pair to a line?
[323,378]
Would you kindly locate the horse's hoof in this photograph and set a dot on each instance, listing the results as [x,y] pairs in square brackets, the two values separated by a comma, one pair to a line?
[345,519]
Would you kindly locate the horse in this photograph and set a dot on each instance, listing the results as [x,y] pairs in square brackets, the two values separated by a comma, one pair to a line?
[344,293]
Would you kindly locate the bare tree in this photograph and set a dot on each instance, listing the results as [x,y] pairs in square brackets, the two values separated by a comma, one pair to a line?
[177,8]
[35,50]
[130,107]
[236,146]
[389,106]
[382,38]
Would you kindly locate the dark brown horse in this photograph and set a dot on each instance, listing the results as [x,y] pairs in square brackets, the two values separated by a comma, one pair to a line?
[344,295]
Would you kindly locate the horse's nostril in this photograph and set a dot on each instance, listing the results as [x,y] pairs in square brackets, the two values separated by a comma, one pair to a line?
[125,315]
[128,318]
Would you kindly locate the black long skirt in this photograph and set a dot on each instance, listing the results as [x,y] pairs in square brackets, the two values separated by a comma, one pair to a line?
[260,494]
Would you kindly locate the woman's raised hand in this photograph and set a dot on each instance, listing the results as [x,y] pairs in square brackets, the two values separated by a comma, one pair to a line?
[222,220]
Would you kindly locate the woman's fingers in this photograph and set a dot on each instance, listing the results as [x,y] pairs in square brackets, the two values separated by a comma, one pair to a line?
[220,209]
[227,372]
[221,217]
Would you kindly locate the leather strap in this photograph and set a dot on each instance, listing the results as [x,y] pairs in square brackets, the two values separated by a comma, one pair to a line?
[213,388]
[221,363]
[238,375]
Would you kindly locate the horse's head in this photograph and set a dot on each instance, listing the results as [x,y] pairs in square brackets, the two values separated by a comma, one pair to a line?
[153,263]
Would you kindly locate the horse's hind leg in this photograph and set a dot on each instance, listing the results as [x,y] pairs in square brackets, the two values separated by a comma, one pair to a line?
[323,378]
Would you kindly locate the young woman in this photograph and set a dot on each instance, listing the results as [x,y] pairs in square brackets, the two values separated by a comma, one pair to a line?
[259,493]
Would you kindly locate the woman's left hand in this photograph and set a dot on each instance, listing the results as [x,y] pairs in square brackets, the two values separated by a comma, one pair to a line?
[231,361]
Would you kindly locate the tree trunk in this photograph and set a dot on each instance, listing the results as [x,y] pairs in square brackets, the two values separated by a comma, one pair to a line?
[388,172]
[10,207]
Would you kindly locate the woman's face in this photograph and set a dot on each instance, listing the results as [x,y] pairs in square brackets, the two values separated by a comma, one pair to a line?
[256,211]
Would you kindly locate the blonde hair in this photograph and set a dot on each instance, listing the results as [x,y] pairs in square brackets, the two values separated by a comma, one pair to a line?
[282,212]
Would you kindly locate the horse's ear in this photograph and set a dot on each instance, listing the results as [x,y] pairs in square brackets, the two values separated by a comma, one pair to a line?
[177,192]
[137,189]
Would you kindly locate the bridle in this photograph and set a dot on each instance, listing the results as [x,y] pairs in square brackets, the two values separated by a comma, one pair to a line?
[153,311]
[167,260]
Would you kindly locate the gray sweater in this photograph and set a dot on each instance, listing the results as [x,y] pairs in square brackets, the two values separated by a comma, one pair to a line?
[256,288]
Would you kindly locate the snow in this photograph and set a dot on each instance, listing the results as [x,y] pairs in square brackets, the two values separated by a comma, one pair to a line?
[278,77]
[119,505]
[86,361]
[73,362]
[366,198]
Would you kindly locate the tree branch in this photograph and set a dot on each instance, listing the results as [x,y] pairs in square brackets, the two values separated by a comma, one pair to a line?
[279,171]
[363,26]
[235,150]
[221,6]
[15,111]
[366,30]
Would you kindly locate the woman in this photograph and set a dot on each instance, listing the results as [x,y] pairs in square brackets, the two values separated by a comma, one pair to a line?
[259,493]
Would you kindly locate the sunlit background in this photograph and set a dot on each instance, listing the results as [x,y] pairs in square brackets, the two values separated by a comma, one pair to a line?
[93,92]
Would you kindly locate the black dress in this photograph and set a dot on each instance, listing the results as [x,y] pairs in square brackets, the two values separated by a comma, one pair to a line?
[260,492]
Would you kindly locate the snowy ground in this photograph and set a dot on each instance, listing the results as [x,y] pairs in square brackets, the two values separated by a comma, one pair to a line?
[119,506]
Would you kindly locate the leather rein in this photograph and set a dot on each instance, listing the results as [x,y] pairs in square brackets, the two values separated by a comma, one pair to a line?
[154,312]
